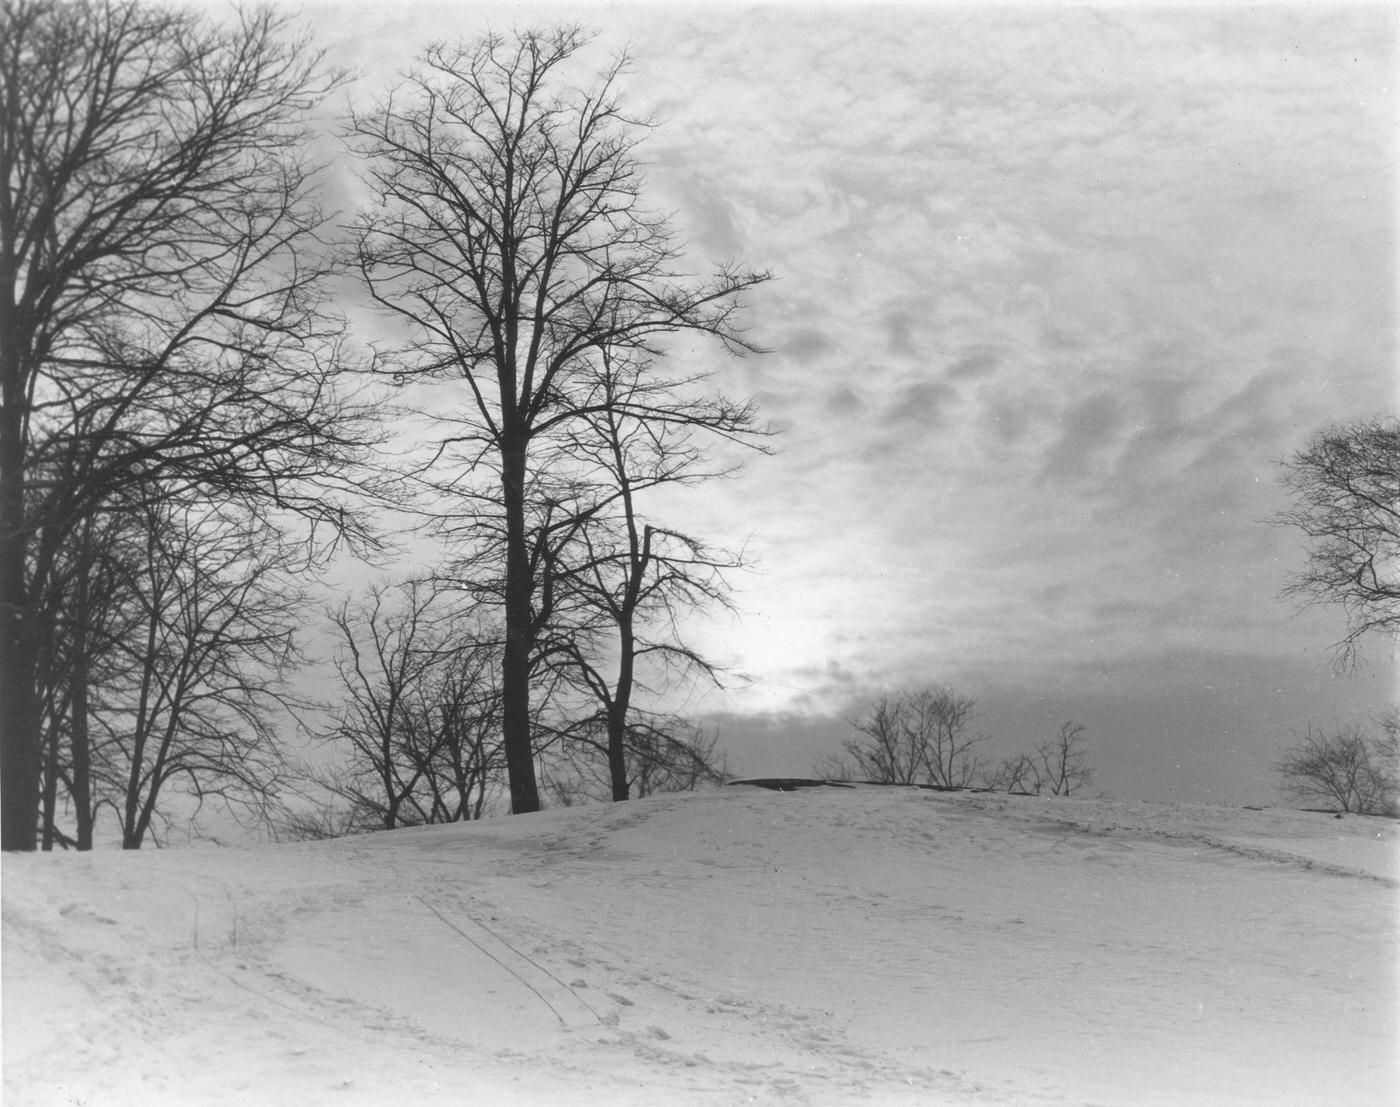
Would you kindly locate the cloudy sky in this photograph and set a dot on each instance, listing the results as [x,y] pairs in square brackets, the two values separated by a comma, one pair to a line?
[1055,291]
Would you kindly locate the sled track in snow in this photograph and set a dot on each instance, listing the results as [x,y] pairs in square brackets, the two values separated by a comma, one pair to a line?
[504,954]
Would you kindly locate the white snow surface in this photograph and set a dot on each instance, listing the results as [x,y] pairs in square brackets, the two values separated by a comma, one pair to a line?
[829,945]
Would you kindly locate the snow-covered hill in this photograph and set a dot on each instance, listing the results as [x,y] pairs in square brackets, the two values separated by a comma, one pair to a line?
[823,946]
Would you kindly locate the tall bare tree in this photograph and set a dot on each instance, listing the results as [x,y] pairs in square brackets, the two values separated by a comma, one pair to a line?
[1346,489]
[511,237]
[160,298]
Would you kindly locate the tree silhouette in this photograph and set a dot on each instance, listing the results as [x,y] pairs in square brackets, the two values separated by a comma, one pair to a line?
[509,235]
[1346,489]
[916,737]
[420,709]
[161,322]
[1348,767]
[630,580]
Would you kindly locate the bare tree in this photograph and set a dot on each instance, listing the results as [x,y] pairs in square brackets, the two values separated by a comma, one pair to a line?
[509,234]
[315,822]
[888,752]
[677,757]
[1063,762]
[191,697]
[917,737]
[420,722]
[1058,767]
[633,580]
[1346,489]
[160,299]
[1018,773]
[1349,767]
[89,609]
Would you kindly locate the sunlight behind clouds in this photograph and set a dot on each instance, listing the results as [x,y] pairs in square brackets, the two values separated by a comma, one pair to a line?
[1076,284]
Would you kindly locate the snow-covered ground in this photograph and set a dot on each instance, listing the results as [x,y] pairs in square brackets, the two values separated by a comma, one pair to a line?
[824,946]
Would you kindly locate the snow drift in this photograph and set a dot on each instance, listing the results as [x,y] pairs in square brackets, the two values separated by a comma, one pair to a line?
[822,946]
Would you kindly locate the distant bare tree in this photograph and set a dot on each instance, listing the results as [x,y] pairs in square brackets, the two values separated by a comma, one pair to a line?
[1349,767]
[1063,762]
[509,234]
[1058,767]
[917,737]
[191,694]
[420,721]
[1346,488]
[678,757]
[315,822]
[888,751]
[1018,773]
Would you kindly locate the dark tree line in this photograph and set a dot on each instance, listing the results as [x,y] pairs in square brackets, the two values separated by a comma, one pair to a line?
[167,378]
[182,441]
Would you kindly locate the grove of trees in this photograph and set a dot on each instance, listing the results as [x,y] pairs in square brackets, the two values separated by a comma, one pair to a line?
[187,437]
[174,432]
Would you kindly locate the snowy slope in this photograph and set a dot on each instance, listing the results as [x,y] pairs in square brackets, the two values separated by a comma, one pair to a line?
[824,946]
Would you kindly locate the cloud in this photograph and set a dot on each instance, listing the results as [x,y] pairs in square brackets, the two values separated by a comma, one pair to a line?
[900,330]
[975,363]
[1088,432]
[806,344]
[921,403]
[843,402]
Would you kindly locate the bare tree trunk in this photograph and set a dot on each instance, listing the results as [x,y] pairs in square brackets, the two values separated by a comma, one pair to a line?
[81,749]
[519,645]
[618,707]
[48,808]
[21,756]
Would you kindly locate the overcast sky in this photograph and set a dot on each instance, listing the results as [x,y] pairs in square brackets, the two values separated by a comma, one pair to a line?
[1055,291]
